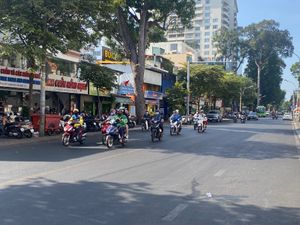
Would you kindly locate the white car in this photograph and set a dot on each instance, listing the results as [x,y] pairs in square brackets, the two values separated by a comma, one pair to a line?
[287,116]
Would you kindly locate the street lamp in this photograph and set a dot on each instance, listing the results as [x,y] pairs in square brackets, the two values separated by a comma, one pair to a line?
[242,91]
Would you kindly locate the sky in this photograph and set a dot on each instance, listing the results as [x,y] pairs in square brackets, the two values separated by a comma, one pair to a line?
[287,14]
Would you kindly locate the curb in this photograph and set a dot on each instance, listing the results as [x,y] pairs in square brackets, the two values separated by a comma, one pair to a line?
[296,128]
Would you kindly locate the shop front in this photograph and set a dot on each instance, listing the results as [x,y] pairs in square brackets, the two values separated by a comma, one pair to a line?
[63,94]
[152,100]
[91,102]
[14,89]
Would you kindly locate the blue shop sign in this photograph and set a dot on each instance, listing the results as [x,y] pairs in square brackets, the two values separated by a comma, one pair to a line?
[125,90]
[153,95]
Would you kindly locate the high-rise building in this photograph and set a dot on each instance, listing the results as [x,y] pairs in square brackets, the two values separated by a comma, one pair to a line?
[210,16]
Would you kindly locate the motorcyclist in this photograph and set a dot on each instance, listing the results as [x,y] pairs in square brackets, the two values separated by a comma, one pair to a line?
[121,120]
[176,118]
[126,113]
[77,121]
[146,119]
[157,119]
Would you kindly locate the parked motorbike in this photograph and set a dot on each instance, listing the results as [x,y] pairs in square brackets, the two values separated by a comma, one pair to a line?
[13,130]
[175,127]
[131,122]
[113,136]
[156,131]
[70,134]
[28,129]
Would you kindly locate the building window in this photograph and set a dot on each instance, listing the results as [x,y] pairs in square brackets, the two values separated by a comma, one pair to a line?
[172,35]
[215,20]
[207,1]
[207,14]
[207,33]
[207,27]
[215,26]
[173,47]
[197,35]
[207,21]
[206,46]
[189,35]
[198,22]
[207,8]
[206,53]
[206,40]
[197,28]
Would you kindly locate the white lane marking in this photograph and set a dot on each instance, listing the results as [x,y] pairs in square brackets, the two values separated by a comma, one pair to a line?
[219,173]
[175,212]
[239,131]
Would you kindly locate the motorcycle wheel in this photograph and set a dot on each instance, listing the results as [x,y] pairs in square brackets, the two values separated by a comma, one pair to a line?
[28,134]
[200,129]
[109,141]
[160,136]
[103,139]
[171,131]
[143,128]
[153,134]
[66,140]
[195,126]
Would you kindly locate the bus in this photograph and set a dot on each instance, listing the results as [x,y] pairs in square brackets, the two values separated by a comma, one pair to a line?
[261,111]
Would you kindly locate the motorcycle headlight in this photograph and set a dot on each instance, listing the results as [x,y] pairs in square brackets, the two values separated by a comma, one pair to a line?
[22,129]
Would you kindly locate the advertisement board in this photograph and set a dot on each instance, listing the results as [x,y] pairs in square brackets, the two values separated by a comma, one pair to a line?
[18,78]
[66,84]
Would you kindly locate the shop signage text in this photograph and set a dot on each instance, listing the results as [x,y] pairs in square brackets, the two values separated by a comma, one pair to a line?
[20,73]
[66,84]
[153,95]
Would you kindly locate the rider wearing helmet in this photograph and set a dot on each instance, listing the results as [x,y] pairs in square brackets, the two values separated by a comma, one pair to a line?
[121,120]
[157,119]
[176,118]
[77,121]
[146,119]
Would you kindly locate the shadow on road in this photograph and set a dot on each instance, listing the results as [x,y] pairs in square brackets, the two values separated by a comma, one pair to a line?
[49,202]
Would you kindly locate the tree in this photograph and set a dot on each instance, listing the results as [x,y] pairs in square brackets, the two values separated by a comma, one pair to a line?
[175,97]
[231,47]
[206,81]
[295,70]
[265,40]
[103,79]
[133,24]
[39,29]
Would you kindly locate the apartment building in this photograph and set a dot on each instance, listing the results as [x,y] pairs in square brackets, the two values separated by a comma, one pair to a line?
[210,16]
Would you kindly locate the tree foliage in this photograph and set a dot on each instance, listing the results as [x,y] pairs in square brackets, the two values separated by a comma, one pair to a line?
[134,23]
[103,78]
[175,97]
[295,70]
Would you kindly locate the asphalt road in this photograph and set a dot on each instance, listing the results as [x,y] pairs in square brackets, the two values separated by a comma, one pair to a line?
[232,174]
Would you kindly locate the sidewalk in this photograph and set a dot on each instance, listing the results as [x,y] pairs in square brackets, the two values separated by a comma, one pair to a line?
[296,127]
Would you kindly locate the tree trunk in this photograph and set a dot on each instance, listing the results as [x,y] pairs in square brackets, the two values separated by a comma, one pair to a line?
[99,103]
[43,99]
[30,64]
[258,83]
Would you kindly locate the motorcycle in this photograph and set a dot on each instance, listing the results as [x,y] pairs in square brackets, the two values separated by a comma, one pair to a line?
[131,122]
[156,131]
[175,127]
[274,117]
[91,124]
[13,130]
[28,129]
[145,125]
[243,119]
[195,121]
[104,127]
[71,136]
[202,124]
[113,136]
[235,118]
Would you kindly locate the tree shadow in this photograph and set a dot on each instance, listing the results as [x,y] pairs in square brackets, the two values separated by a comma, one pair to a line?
[48,202]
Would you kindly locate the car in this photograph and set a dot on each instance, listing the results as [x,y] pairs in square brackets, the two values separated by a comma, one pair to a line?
[252,116]
[287,116]
[214,116]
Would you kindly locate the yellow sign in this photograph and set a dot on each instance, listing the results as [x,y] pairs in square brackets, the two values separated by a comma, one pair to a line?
[93,91]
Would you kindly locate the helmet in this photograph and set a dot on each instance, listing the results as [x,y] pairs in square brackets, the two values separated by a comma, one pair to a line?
[177,111]
[201,111]
[75,111]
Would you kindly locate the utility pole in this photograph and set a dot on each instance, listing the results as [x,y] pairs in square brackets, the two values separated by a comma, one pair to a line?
[188,88]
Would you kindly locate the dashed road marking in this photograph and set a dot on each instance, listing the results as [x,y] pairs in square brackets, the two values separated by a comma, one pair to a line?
[219,173]
[175,212]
